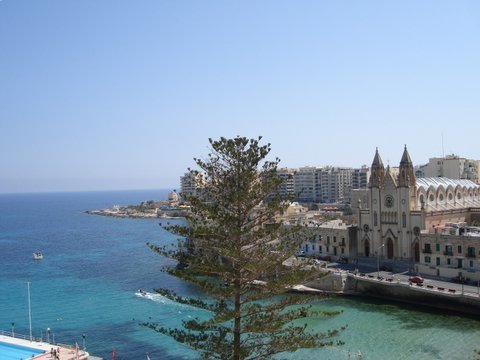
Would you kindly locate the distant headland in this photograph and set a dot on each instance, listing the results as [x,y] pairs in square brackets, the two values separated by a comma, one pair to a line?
[146,209]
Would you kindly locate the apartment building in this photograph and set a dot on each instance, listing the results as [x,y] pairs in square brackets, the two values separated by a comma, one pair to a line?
[452,167]
[332,238]
[191,184]
[287,189]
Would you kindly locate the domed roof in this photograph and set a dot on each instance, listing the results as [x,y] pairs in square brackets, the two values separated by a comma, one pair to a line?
[173,196]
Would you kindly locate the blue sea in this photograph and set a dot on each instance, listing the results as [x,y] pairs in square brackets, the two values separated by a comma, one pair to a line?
[84,290]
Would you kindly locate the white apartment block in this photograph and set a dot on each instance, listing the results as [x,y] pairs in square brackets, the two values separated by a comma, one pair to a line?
[328,184]
[452,167]
[287,189]
[191,184]
[305,184]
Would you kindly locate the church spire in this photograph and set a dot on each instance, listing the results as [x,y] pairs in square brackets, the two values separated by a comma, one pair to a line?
[406,175]
[377,172]
[405,158]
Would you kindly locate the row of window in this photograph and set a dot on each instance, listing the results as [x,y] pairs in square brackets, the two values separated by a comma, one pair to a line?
[320,249]
[449,250]
[388,217]
[441,197]
[319,238]
[428,260]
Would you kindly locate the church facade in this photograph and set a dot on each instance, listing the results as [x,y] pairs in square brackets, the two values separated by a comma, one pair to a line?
[396,208]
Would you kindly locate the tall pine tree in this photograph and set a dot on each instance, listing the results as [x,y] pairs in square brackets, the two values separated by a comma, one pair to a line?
[235,251]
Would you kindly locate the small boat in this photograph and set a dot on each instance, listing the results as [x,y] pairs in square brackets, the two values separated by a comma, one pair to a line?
[37,255]
[141,292]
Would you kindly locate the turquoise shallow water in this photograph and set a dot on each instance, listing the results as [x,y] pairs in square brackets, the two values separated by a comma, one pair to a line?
[93,266]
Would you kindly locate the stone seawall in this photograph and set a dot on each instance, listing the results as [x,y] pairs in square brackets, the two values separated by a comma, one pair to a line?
[340,282]
[413,294]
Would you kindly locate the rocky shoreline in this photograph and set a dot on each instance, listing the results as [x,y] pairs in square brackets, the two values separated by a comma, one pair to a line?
[146,210]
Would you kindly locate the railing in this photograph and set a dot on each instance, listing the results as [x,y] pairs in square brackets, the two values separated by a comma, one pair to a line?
[18,336]
[427,251]
[448,253]
[470,255]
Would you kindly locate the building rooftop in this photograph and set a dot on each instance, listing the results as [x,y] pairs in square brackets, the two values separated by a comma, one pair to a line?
[437,182]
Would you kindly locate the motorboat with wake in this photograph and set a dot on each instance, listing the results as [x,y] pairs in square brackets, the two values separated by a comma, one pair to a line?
[37,255]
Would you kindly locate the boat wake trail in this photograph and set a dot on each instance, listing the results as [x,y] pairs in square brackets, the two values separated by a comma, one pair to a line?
[163,300]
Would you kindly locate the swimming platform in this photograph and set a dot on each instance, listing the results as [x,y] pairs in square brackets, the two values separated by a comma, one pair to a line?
[19,347]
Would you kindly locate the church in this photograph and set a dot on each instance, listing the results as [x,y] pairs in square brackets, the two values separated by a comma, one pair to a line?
[397,209]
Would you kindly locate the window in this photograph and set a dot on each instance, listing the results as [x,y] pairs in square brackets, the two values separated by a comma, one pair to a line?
[404,220]
[438,261]
[334,239]
[471,263]
[448,250]
[459,249]
[327,249]
[313,247]
[428,259]
[448,261]
[437,247]
[470,251]
[320,248]
[428,249]
[375,218]
[343,250]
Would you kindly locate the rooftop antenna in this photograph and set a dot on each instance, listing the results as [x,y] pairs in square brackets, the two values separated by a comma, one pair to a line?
[443,149]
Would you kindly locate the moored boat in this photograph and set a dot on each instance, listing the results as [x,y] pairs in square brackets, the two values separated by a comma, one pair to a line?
[37,255]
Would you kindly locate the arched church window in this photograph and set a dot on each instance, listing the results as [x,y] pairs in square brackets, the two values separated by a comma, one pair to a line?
[450,196]
[431,198]
[440,197]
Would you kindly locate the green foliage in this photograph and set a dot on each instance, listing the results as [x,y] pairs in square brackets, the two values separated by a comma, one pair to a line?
[232,255]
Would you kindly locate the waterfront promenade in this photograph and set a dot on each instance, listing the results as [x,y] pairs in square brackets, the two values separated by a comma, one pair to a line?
[63,352]
[434,293]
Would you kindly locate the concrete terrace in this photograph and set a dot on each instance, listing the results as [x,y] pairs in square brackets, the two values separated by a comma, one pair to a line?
[66,352]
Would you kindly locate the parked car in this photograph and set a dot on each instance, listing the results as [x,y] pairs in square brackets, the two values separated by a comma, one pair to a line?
[300,253]
[342,260]
[416,279]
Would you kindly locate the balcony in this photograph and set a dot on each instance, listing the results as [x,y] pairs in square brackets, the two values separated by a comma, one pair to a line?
[343,243]
[471,255]
[448,253]
[427,251]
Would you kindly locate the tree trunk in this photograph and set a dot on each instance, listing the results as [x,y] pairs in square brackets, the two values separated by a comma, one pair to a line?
[237,323]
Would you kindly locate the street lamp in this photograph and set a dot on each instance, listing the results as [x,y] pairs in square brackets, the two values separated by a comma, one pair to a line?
[378,259]
[29,310]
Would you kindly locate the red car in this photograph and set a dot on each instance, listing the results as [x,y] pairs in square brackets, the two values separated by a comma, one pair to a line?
[416,279]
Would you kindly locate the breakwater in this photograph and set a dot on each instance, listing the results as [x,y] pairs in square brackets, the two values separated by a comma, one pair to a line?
[435,296]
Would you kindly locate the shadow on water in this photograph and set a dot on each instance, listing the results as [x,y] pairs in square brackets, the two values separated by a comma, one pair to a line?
[411,315]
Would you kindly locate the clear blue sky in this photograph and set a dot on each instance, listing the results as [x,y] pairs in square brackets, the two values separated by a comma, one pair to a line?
[111,94]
